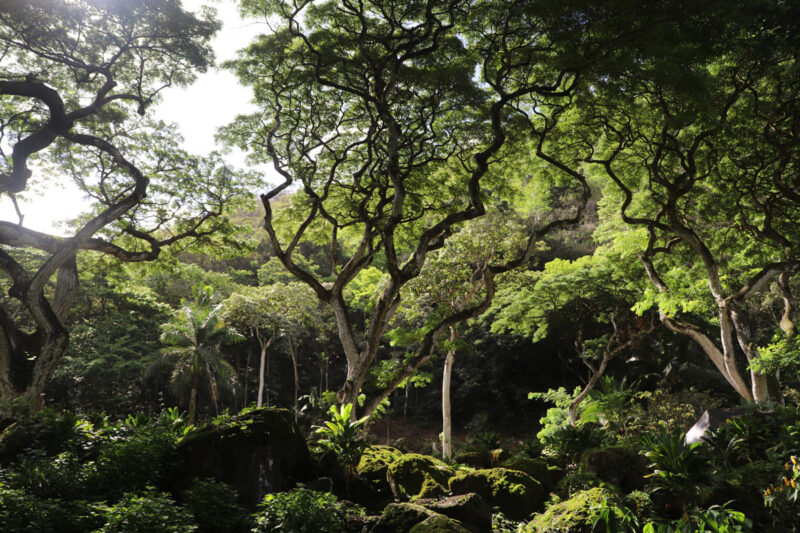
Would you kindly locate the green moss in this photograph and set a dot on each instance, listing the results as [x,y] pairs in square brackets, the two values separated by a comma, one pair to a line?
[401,517]
[438,524]
[475,459]
[414,476]
[516,493]
[536,468]
[374,465]
[430,489]
[576,515]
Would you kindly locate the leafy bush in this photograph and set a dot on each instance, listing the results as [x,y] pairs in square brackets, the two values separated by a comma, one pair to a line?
[782,496]
[559,438]
[20,512]
[214,506]
[341,436]
[300,511]
[148,512]
[49,430]
[131,460]
[717,518]
[680,470]
[60,476]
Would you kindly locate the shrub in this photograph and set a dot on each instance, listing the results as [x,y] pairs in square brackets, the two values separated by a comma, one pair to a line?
[341,436]
[680,470]
[215,508]
[20,512]
[148,512]
[48,430]
[59,476]
[300,511]
[131,461]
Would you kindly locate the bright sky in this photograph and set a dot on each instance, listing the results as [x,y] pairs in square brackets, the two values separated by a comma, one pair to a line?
[212,101]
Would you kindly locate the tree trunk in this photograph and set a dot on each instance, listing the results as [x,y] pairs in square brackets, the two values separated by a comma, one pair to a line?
[293,349]
[263,366]
[447,421]
[247,374]
[192,404]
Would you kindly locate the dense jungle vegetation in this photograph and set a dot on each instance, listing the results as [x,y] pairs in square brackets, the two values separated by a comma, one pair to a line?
[490,261]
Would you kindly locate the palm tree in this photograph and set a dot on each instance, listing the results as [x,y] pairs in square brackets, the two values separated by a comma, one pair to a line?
[194,338]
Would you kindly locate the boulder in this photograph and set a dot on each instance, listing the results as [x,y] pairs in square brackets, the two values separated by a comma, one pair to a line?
[413,475]
[516,493]
[538,469]
[438,524]
[469,509]
[374,466]
[401,517]
[575,515]
[257,453]
[618,465]
[711,419]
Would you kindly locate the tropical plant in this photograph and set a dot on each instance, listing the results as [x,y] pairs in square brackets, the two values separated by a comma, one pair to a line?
[782,496]
[717,518]
[194,339]
[340,434]
[300,511]
[148,512]
[679,469]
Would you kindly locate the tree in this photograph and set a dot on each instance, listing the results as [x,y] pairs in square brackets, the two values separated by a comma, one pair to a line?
[376,111]
[453,280]
[269,312]
[77,80]
[705,162]
[194,338]
[594,294]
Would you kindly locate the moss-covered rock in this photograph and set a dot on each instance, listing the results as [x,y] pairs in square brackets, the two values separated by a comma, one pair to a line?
[401,517]
[576,515]
[469,509]
[516,493]
[257,453]
[418,476]
[374,466]
[618,465]
[438,524]
[539,469]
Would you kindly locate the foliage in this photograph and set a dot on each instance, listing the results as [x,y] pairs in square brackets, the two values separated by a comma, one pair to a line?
[340,434]
[583,511]
[214,507]
[717,518]
[149,511]
[558,437]
[682,471]
[194,338]
[132,459]
[20,512]
[300,511]
[502,524]
[782,496]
